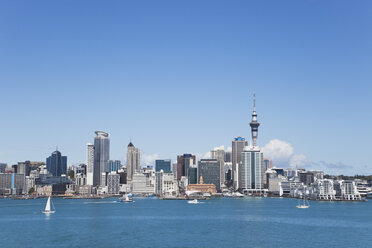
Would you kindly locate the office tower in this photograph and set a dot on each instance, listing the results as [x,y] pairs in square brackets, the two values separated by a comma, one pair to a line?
[193,174]
[133,160]
[209,171]
[183,163]
[101,156]
[252,169]
[113,183]
[218,153]
[57,164]
[228,156]
[114,165]
[90,163]
[3,167]
[238,145]
[24,168]
[164,165]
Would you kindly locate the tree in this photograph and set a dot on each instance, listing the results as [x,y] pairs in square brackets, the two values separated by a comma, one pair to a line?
[32,190]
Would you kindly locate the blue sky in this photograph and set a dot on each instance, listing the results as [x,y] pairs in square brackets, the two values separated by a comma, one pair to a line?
[178,77]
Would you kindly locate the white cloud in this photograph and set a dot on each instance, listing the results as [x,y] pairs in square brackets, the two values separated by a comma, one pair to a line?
[280,152]
[149,159]
[229,149]
[299,161]
[207,155]
[219,148]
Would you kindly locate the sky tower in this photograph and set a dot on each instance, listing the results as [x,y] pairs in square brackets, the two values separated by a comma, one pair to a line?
[254,123]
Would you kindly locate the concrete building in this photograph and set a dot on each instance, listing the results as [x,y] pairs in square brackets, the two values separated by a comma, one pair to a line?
[323,190]
[193,174]
[218,153]
[90,163]
[3,167]
[143,184]
[101,156]
[201,187]
[114,165]
[56,164]
[133,161]
[238,145]
[113,183]
[183,163]
[163,164]
[165,184]
[349,190]
[209,170]
[252,174]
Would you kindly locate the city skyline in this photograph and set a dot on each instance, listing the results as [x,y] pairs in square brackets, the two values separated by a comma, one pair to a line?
[191,88]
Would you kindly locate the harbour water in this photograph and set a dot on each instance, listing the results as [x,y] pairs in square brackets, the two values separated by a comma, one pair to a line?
[149,222]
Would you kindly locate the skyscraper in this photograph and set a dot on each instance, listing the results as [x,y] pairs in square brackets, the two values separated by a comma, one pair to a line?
[101,156]
[56,164]
[209,171]
[218,153]
[90,163]
[252,171]
[114,165]
[164,165]
[183,163]
[133,160]
[238,145]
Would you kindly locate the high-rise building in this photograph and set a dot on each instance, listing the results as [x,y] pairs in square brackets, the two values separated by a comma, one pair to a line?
[164,165]
[238,145]
[101,156]
[57,164]
[218,153]
[2,167]
[209,171]
[114,165]
[193,174]
[183,163]
[133,160]
[24,168]
[90,163]
[113,183]
[228,156]
[252,169]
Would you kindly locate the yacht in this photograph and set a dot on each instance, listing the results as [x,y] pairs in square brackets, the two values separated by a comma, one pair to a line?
[303,204]
[125,198]
[195,201]
[48,205]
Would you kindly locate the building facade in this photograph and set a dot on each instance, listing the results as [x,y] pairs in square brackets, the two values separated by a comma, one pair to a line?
[101,156]
[209,171]
[238,145]
[90,163]
[183,163]
[164,164]
[219,154]
[57,164]
[133,160]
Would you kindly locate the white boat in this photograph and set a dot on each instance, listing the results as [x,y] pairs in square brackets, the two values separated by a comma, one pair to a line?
[126,199]
[47,209]
[195,201]
[304,204]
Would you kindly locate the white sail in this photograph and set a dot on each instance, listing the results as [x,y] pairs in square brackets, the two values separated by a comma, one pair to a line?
[47,207]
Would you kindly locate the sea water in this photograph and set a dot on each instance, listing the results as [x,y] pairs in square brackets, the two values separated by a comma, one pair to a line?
[149,222]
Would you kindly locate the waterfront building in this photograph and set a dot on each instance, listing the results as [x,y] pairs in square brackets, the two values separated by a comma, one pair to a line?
[101,156]
[274,184]
[252,180]
[238,145]
[12,183]
[80,179]
[164,164]
[165,184]
[90,163]
[142,183]
[114,165]
[133,161]
[218,153]
[113,183]
[349,190]
[288,187]
[209,170]
[56,164]
[203,188]
[183,163]
[323,190]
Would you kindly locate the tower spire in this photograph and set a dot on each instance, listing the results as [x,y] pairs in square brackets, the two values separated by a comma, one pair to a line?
[254,123]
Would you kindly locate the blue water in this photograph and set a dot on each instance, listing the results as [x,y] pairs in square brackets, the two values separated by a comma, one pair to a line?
[149,222]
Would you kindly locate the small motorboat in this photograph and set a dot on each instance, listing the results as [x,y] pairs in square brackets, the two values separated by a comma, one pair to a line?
[195,201]
[125,199]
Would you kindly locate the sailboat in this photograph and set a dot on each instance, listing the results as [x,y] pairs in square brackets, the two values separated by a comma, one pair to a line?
[47,209]
[303,205]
